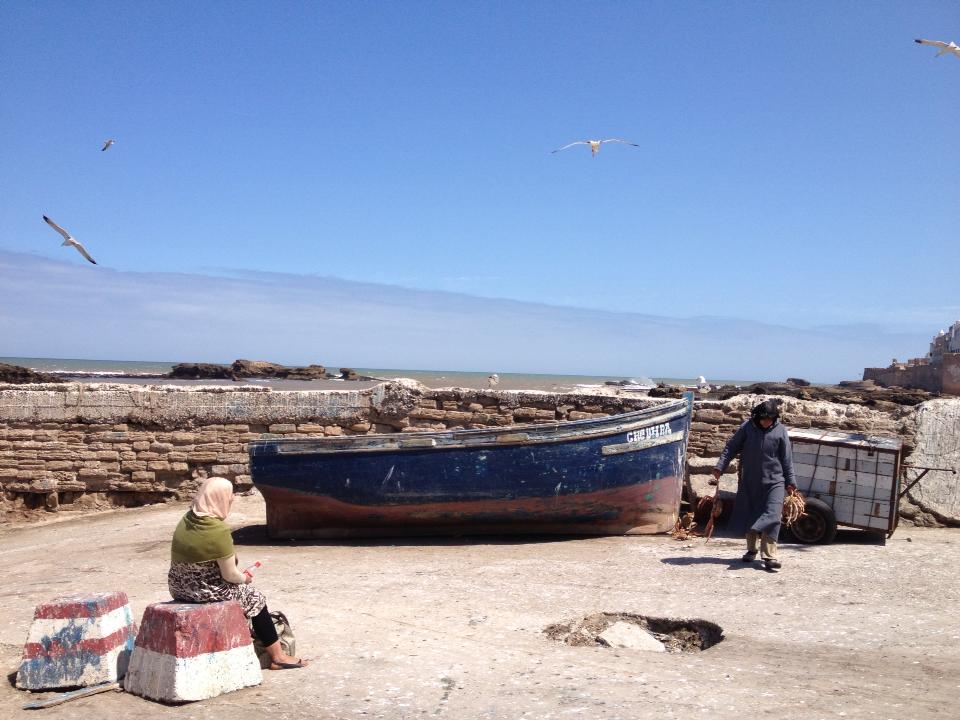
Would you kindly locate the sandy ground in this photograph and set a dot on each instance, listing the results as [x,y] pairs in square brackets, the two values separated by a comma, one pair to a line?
[453,628]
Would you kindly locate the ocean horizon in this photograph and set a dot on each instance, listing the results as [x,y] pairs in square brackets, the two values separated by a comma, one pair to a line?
[145,371]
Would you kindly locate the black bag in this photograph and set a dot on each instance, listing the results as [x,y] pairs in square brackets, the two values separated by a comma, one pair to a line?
[288,642]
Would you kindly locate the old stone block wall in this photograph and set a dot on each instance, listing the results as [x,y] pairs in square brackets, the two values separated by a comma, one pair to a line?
[925,377]
[943,377]
[715,421]
[77,446]
[950,374]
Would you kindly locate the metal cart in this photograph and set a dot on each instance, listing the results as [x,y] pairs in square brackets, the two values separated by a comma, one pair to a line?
[847,479]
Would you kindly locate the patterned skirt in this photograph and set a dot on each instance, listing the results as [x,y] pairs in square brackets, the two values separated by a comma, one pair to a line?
[203,583]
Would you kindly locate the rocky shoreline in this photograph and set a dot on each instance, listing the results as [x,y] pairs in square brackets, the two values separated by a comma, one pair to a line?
[18,375]
[865,392]
[860,392]
[238,370]
[262,369]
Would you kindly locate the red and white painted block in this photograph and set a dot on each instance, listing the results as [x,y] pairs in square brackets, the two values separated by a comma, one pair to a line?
[189,651]
[78,640]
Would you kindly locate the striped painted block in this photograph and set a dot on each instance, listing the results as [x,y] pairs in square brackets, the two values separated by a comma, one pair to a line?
[188,652]
[78,640]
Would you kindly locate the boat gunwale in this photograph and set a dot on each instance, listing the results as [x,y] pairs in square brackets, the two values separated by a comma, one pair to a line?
[477,438]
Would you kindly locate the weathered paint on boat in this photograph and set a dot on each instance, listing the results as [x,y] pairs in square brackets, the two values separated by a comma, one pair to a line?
[620,474]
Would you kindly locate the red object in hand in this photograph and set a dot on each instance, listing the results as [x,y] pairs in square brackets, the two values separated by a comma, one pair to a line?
[249,570]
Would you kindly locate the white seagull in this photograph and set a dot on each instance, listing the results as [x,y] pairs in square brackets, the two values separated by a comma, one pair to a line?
[68,239]
[595,144]
[945,47]
[107,144]
[493,380]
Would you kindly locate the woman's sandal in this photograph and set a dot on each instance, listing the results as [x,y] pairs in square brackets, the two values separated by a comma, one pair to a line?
[287,666]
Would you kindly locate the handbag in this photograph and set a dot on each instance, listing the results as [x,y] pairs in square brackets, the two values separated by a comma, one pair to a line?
[288,642]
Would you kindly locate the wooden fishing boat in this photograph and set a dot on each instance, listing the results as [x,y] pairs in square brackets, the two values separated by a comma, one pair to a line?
[614,475]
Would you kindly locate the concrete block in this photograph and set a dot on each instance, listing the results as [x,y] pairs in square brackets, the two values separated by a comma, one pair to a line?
[629,635]
[78,640]
[186,652]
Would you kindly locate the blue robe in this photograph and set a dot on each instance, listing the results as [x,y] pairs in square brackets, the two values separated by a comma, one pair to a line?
[766,468]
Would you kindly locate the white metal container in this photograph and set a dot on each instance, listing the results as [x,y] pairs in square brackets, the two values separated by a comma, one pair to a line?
[858,476]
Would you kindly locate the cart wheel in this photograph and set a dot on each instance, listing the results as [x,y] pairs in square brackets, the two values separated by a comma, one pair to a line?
[818,524]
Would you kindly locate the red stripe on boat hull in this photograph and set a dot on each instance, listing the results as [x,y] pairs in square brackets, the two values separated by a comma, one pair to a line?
[638,509]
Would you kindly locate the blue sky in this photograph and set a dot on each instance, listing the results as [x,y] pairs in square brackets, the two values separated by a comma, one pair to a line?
[794,172]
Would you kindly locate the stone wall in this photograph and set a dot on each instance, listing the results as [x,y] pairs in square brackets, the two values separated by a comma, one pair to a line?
[937,446]
[714,422]
[99,445]
[925,377]
[76,445]
[942,377]
[950,374]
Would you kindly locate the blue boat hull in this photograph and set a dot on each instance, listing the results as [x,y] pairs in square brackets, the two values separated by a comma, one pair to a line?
[619,475]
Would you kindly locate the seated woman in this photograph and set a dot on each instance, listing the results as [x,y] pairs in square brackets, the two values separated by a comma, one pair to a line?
[203,566]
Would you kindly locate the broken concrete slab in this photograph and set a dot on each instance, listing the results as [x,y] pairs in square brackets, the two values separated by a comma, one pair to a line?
[627,635]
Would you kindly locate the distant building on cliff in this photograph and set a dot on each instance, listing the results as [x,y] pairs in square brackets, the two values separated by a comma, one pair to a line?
[938,372]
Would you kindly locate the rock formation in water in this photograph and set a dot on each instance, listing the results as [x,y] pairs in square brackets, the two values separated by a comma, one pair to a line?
[17,375]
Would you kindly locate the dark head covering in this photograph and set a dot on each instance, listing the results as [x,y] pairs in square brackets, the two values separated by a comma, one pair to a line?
[766,409]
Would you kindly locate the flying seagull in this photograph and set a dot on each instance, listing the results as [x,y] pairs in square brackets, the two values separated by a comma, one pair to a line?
[68,239]
[493,380]
[945,47]
[595,144]
[107,144]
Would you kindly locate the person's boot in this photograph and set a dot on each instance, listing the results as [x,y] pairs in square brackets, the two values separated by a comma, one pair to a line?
[751,553]
[768,548]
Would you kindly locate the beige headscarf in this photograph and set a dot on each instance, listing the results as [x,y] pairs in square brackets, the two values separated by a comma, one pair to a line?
[214,498]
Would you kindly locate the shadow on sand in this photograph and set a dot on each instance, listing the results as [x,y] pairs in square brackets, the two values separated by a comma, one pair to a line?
[256,535]
[732,563]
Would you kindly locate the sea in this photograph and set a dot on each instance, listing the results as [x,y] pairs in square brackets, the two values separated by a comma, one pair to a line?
[150,372]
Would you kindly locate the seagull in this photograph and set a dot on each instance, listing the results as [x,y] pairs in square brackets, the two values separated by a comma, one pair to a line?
[950,47]
[68,239]
[107,144]
[595,144]
[493,380]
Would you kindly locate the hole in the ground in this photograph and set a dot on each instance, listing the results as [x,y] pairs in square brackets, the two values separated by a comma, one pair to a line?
[630,630]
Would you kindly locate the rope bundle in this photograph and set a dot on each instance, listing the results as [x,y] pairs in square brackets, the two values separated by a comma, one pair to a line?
[793,507]
[684,528]
[716,509]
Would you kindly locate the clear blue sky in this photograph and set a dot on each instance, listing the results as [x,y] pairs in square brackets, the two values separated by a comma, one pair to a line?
[797,163]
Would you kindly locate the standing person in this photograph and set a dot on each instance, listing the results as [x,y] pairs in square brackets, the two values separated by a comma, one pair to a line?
[766,472]
[203,566]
